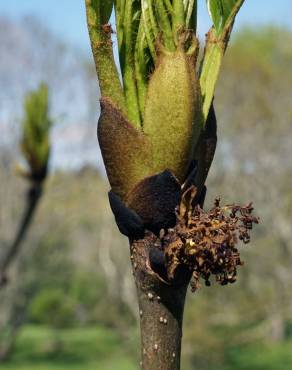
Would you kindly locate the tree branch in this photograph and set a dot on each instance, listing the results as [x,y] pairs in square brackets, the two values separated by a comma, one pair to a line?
[33,196]
[161,308]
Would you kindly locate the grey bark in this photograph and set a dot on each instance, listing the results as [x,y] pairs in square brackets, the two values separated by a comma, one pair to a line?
[161,308]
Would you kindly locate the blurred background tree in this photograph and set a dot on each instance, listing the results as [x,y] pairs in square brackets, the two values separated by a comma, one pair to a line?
[35,148]
[248,326]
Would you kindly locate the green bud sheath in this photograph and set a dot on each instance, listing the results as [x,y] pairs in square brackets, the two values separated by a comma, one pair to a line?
[172,120]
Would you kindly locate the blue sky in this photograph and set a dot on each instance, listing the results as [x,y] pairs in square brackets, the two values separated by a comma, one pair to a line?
[67,17]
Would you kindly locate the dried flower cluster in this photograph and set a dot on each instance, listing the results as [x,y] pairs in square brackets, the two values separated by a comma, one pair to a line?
[205,242]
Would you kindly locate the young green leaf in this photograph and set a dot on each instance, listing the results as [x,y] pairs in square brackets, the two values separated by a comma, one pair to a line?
[222,12]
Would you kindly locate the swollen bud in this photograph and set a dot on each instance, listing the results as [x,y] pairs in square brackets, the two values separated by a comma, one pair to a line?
[170,130]
[125,150]
[172,111]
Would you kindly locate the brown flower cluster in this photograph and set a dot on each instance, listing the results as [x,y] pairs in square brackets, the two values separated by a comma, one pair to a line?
[205,242]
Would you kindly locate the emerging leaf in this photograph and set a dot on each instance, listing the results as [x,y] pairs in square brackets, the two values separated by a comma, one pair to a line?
[222,12]
[36,124]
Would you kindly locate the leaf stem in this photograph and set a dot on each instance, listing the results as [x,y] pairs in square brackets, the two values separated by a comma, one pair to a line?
[141,67]
[150,26]
[128,68]
[216,44]
[178,15]
[102,50]
[165,25]
[214,52]
[191,15]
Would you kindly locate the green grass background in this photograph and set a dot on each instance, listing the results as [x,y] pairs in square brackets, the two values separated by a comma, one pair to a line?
[100,348]
[81,349]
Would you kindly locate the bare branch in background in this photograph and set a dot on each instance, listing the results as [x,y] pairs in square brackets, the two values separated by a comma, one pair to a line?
[35,146]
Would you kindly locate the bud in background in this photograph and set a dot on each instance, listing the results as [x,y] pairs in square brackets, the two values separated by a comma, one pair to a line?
[35,147]
[35,141]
